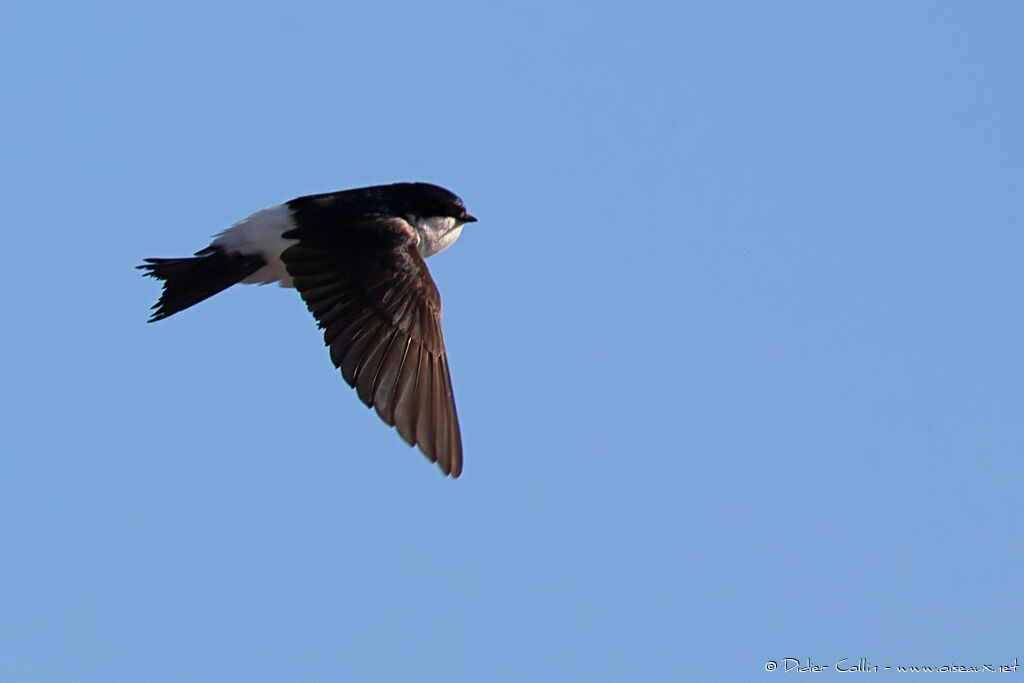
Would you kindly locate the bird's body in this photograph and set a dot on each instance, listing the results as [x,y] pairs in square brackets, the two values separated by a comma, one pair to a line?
[356,258]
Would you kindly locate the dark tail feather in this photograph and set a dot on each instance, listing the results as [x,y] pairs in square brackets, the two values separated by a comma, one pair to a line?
[187,281]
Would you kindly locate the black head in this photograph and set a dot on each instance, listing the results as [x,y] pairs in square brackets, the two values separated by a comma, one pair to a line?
[422,199]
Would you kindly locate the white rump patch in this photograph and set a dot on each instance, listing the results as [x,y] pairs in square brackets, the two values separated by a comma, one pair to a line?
[260,234]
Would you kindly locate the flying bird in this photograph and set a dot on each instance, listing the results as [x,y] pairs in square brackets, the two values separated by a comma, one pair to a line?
[356,258]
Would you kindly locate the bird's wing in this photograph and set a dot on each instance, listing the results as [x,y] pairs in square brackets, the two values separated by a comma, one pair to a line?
[370,291]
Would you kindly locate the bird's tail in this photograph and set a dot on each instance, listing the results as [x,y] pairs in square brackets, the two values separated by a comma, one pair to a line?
[187,281]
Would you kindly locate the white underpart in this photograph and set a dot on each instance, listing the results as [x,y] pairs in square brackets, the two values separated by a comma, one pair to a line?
[260,234]
[436,233]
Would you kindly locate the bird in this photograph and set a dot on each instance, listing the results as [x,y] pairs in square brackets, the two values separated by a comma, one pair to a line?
[356,257]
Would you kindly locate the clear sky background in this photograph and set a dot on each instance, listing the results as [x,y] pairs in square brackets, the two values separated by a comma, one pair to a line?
[736,344]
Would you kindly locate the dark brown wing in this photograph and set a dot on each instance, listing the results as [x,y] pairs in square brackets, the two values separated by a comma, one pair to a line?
[371,292]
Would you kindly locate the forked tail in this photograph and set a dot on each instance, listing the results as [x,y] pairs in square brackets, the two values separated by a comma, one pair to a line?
[187,281]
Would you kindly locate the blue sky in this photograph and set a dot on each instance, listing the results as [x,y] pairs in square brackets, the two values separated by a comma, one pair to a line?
[736,343]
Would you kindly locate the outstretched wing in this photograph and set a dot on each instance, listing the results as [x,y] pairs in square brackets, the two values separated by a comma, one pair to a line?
[370,291]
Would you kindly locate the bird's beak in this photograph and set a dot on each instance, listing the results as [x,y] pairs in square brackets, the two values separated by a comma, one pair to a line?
[468,219]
